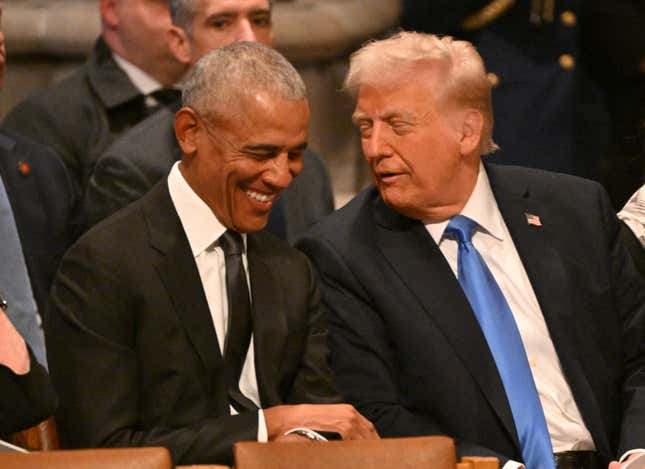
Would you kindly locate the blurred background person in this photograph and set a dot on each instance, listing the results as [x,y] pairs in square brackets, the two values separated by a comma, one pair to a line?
[127,76]
[27,219]
[38,221]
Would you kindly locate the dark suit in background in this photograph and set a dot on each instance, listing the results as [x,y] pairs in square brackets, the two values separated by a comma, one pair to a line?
[145,154]
[129,315]
[44,208]
[81,116]
[409,353]
[568,94]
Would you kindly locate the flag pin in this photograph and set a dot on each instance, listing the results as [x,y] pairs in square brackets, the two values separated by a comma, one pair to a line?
[532,219]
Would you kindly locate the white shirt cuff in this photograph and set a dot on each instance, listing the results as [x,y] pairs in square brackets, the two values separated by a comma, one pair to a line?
[263,436]
[510,464]
[626,454]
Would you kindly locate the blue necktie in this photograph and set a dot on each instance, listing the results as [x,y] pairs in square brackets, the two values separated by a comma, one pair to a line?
[505,343]
[15,286]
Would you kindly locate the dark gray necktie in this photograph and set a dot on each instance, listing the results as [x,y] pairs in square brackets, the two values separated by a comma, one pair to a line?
[240,321]
[15,286]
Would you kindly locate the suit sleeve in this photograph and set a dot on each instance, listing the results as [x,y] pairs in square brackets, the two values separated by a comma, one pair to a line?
[360,353]
[313,382]
[93,338]
[26,399]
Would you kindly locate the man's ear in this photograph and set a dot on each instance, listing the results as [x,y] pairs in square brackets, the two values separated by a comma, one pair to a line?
[179,44]
[187,125]
[472,127]
[109,14]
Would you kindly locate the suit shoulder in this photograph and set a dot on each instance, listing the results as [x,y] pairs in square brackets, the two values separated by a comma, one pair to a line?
[357,212]
[547,183]
[274,250]
[53,99]
[39,157]
[149,146]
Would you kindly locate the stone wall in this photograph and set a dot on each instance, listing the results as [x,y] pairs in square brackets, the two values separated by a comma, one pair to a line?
[48,38]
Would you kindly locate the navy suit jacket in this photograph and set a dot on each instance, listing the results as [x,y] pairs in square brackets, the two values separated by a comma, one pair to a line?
[408,351]
[43,204]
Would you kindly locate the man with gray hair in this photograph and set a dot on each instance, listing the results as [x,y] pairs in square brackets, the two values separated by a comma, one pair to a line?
[142,156]
[494,304]
[176,323]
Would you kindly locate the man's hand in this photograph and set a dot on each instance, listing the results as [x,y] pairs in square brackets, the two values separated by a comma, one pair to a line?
[13,351]
[339,418]
[618,465]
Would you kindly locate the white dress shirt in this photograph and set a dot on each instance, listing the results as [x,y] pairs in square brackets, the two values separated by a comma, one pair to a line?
[493,241]
[140,79]
[203,230]
[633,214]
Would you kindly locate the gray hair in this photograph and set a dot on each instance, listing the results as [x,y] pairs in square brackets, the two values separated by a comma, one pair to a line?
[182,13]
[225,74]
[461,69]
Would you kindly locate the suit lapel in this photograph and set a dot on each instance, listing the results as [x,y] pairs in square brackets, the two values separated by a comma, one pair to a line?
[179,275]
[552,286]
[269,321]
[416,258]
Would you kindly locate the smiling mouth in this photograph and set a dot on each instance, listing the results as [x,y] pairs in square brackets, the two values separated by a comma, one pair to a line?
[259,197]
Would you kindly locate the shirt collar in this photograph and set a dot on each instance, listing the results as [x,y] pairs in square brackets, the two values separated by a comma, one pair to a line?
[140,79]
[202,227]
[481,207]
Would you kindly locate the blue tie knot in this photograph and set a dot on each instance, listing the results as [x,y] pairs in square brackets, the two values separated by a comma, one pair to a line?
[462,228]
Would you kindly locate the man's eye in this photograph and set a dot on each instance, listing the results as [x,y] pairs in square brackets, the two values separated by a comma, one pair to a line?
[220,24]
[400,127]
[295,155]
[259,155]
[365,129]
[261,21]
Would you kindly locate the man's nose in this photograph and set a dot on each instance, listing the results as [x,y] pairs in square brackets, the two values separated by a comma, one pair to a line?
[281,171]
[376,144]
[246,32]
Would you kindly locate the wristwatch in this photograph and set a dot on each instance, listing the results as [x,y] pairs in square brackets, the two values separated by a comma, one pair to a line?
[307,433]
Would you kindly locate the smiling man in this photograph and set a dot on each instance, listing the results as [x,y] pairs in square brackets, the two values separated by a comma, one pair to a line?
[142,156]
[174,323]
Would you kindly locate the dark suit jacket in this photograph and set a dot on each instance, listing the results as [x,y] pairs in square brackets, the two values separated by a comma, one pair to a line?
[43,204]
[26,399]
[408,351]
[633,245]
[80,116]
[133,351]
[145,154]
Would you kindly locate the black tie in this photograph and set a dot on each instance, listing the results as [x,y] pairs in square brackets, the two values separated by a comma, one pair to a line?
[166,96]
[238,338]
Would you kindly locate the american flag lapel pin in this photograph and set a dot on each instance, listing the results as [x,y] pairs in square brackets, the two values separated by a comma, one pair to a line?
[532,219]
